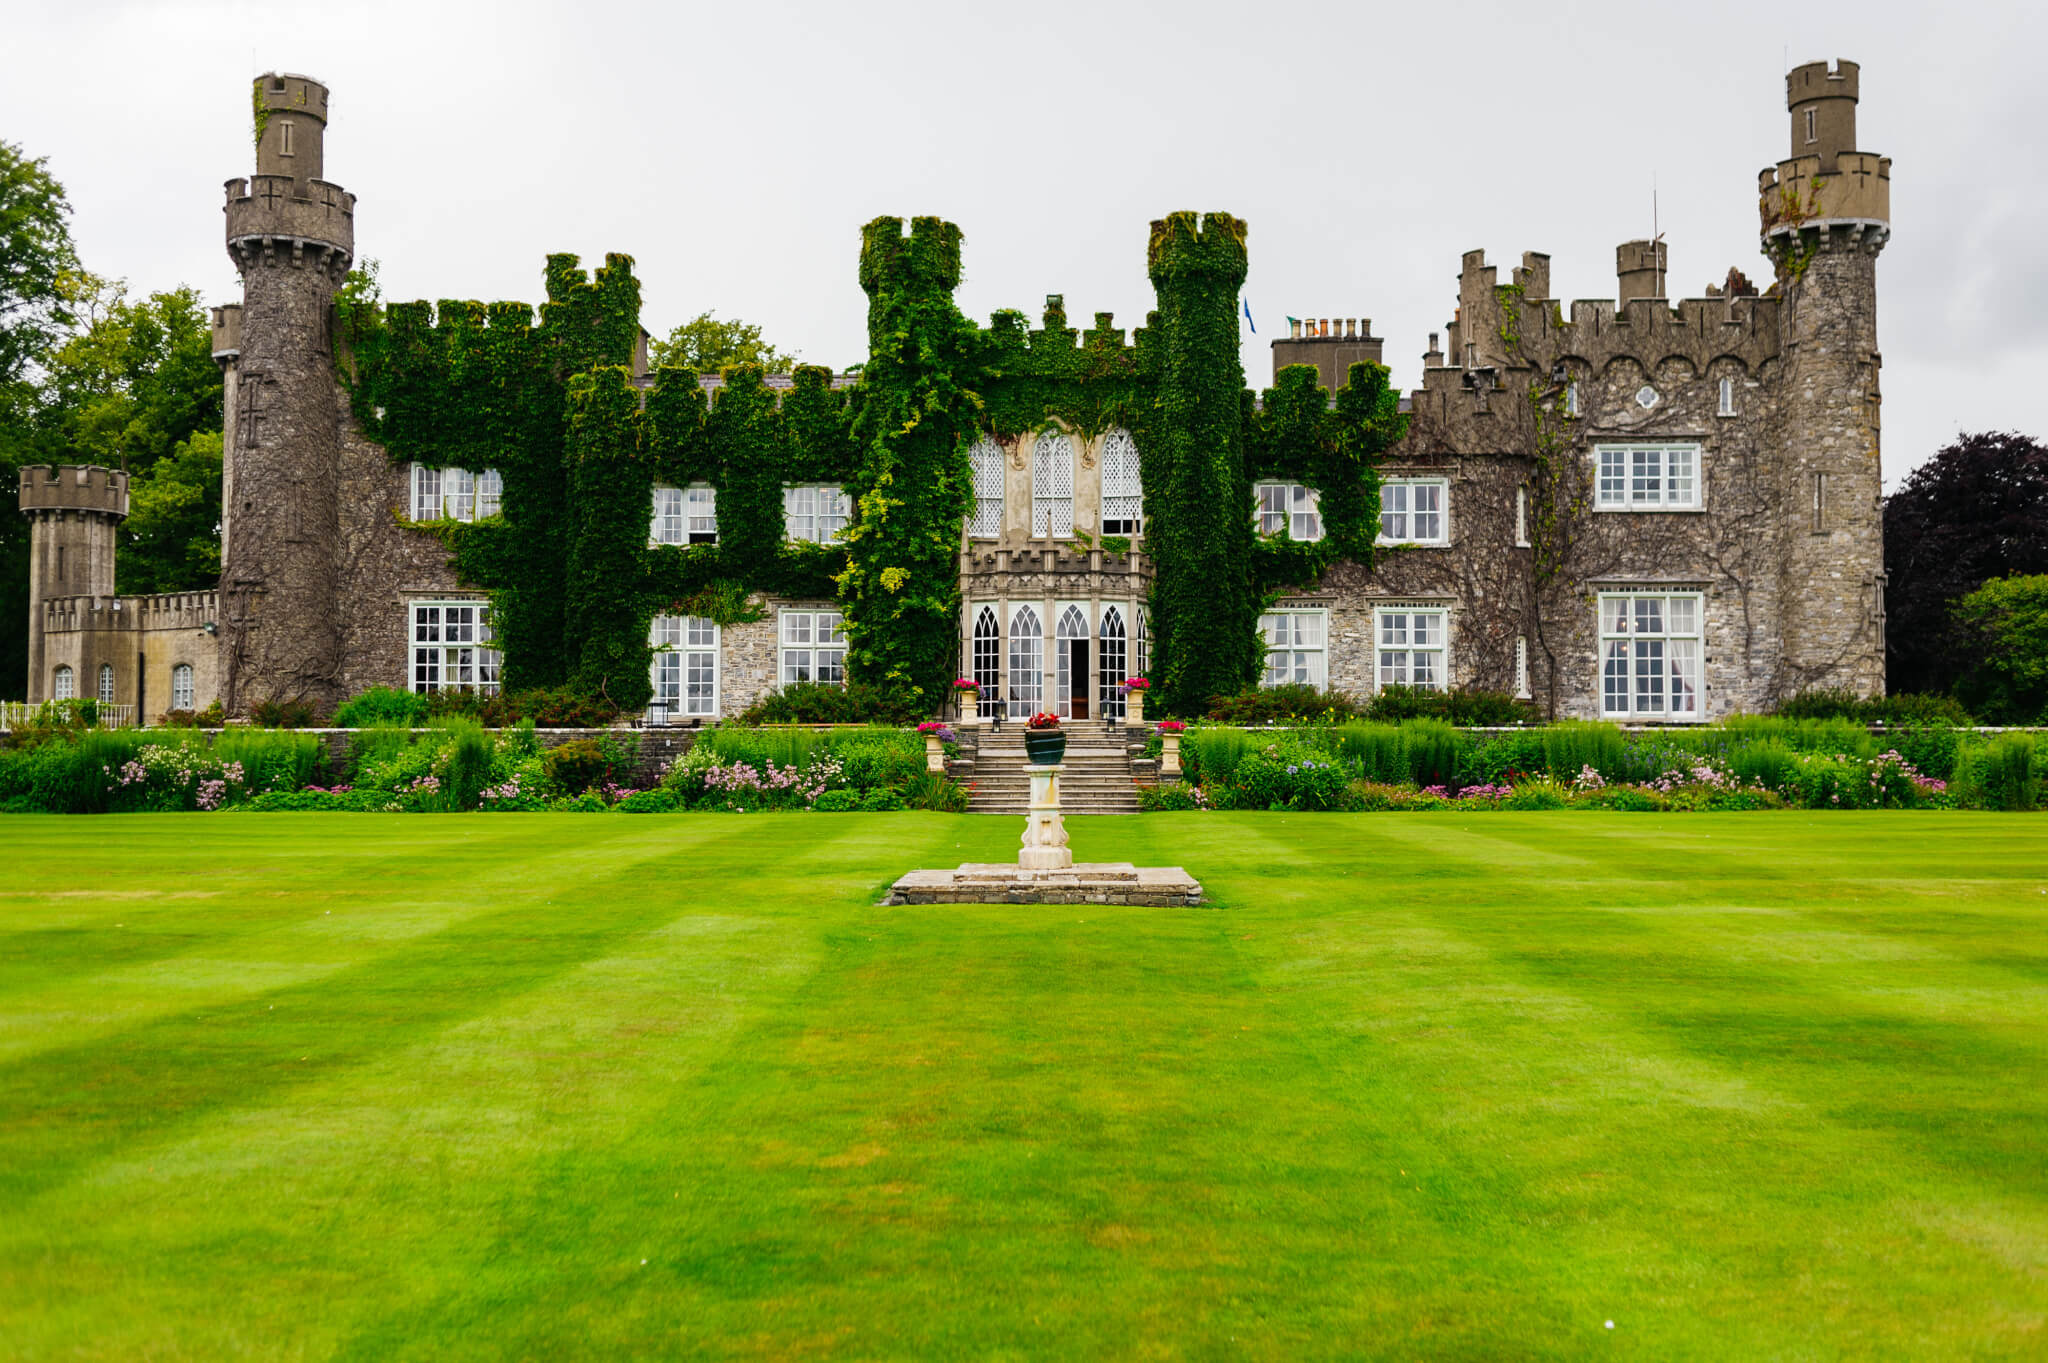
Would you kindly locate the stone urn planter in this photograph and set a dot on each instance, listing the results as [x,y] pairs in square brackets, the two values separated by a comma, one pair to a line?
[934,755]
[1169,753]
[1134,707]
[1045,747]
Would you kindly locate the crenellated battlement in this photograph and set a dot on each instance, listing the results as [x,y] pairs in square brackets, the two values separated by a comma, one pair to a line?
[173,611]
[1197,244]
[1798,194]
[73,487]
[930,252]
[227,332]
[274,219]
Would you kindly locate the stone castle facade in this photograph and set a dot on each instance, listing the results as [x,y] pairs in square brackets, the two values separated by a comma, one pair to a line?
[1637,509]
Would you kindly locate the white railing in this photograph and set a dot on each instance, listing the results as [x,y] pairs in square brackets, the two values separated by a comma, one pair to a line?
[16,714]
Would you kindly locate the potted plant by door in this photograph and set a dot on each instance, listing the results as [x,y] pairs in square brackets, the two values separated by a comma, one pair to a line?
[1044,741]
[1170,731]
[936,736]
[967,693]
[1134,699]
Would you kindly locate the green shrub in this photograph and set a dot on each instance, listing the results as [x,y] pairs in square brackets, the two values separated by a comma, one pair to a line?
[838,802]
[1631,799]
[286,714]
[1824,781]
[1209,757]
[931,790]
[320,801]
[1434,748]
[880,800]
[1543,793]
[1471,709]
[1376,752]
[1170,797]
[759,747]
[1767,763]
[656,801]
[877,757]
[1574,745]
[2009,775]
[1289,776]
[470,756]
[562,708]
[574,767]
[1505,757]
[382,705]
[1272,704]
[1842,703]
[825,703]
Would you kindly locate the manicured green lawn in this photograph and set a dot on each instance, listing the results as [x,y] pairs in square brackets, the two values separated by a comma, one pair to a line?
[1468,1086]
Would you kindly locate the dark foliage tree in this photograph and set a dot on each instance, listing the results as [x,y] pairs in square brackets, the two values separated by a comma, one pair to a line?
[1975,511]
[2007,621]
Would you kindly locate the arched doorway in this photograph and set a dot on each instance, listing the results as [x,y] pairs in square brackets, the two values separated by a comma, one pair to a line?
[1071,649]
[1109,662]
[988,661]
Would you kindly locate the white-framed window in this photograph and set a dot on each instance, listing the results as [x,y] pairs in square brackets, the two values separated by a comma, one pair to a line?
[986,461]
[455,494]
[1571,399]
[1522,516]
[813,647]
[1297,647]
[1052,485]
[815,512]
[1111,656]
[451,647]
[1648,477]
[426,493]
[1811,134]
[60,684]
[1650,655]
[1727,398]
[1414,646]
[284,135]
[181,687]
[685,669]
[1289,507]
[1027,666]
[1123,495]
[700,513]
[1142,641]
[1412,510]
[667,524]
[988,660]
[106,683]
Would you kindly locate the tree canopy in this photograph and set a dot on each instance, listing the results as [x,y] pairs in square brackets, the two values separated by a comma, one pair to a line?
[707,345]
[1977,510]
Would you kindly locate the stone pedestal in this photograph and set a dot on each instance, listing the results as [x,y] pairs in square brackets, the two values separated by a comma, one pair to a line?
[1169,755]
[1045,832]
[934,755]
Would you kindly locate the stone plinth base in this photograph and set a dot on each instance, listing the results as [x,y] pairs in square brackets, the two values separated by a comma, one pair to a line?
[1088,882]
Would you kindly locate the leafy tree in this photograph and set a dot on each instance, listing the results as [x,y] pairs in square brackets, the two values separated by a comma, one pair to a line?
[35,251]
[1976,511]
[2008,678]
[133,380]
[708,345]
[171,540]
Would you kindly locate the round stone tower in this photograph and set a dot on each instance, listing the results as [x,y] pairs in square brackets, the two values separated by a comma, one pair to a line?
[73,512]
[1826,214]
[291,235]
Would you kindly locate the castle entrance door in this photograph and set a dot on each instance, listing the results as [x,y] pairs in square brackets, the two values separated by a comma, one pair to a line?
[1077,671]
[1070,642]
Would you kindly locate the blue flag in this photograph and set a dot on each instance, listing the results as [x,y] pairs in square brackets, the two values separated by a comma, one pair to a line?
[1248,317]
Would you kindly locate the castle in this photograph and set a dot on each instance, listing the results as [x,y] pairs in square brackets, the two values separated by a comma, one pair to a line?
[1634,509]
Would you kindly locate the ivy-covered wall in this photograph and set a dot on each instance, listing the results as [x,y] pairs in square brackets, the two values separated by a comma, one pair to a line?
[581,441]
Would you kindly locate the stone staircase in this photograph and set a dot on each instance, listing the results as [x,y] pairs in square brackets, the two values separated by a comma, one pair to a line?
[1096,778]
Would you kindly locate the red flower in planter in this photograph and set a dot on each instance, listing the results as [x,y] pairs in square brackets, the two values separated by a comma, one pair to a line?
[1045,719]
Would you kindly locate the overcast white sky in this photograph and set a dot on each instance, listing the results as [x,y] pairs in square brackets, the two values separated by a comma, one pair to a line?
[734,150]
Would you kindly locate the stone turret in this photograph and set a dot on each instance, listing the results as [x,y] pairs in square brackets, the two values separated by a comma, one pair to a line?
[1826,214]
[73,511]
[291,235]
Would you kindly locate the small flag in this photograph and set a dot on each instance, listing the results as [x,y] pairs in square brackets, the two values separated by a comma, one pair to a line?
[1248,316]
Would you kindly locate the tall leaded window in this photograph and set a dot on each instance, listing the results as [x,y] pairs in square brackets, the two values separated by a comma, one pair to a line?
[1521,667]
[1143,641]
[685,669]
[490,493]
[1648,477]
[1027,671]
[106,683]
[451,647]
[1412,511]
[1123,495]
[1650,655]
[1289,507]
[988,660]
[1727,404]
[815,512]
[458,494]
[60,684]
[1110,662]
[700,511]
[813,648]
[986,460]
[1413,647]
[1052,485]
[1297,649]
[181,687]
